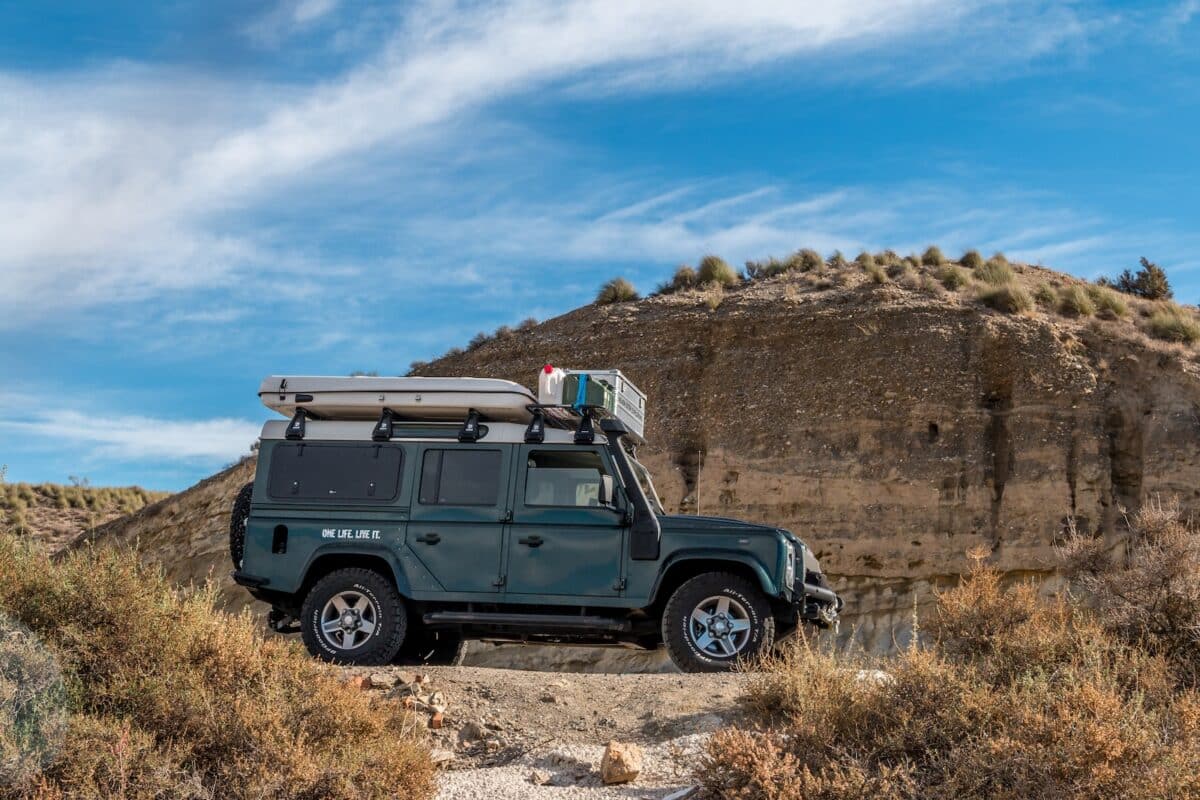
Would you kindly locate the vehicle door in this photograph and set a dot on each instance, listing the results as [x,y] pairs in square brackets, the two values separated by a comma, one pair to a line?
[456,528]
[564,538]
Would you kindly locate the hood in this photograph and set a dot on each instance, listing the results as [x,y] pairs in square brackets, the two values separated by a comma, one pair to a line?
[692,523]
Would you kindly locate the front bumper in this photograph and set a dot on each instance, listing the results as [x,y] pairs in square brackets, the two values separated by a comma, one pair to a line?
[816,603]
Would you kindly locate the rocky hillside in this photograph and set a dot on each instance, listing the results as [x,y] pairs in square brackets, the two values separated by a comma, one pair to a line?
[891,422]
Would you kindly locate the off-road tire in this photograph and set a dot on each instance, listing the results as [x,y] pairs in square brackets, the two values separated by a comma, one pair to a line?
[237,525]
[391,620]
[432,649]
[677,616]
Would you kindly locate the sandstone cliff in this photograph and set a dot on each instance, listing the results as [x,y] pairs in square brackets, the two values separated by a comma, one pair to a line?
[894,429]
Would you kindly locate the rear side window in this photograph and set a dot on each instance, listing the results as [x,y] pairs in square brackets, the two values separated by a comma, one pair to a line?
[461,478]
[335,473]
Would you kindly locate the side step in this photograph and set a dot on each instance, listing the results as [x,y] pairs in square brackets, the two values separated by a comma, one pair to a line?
[537,622]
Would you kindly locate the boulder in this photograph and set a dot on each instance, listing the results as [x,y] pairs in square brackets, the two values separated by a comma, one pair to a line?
[622,762]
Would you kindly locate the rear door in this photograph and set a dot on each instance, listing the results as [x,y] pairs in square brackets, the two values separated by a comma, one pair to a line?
[562,541]
[456,528]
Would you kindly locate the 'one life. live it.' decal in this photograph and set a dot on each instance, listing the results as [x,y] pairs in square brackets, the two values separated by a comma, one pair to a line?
[349,533]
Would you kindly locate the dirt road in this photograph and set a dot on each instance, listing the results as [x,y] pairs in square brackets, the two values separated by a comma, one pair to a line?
[534,735]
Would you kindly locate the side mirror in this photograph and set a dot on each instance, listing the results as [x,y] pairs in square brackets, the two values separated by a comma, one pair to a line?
[606,490]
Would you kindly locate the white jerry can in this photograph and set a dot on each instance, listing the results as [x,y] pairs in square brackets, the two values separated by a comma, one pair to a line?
[550,385]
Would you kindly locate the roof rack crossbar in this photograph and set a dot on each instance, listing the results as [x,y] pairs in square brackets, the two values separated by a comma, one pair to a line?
[295,428]
[383,428]
[535,433]
[586,433]
[470,429]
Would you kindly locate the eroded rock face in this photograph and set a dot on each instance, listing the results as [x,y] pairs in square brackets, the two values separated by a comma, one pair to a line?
[892,430]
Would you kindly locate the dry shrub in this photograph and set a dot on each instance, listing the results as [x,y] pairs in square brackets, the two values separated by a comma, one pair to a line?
[807,260]
[1074,301]
[995,271]
[714,269]
[170,698]
[837,260]
[1018,698]
[1045,297]
[1149,597]
[617,290]
[1174,324]
[933,257]
[887,258]
[1009,298]
[971,259]
[953,278]
[876,273]
[1108,303]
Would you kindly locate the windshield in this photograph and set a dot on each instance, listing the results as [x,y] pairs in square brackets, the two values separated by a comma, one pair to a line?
[644,480]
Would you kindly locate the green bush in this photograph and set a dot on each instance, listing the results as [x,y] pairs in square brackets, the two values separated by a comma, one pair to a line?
[1074,301]
[995,271]
[1172,323]
[932,257]
[713,269]
[1008,297]
[1150,282]
[971,259]
[953,278]
[1108,303]
[170,698]
[617,290]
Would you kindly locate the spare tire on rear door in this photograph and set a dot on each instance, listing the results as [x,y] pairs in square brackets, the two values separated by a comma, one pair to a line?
[237,525]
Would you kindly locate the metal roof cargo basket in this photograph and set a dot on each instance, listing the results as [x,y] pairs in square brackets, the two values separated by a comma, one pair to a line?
[607,389]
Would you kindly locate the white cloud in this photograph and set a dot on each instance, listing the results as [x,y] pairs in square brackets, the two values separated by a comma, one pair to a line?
[129,182]
[138,438]
[285,19]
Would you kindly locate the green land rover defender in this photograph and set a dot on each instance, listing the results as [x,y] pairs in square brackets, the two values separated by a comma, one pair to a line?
[397,538]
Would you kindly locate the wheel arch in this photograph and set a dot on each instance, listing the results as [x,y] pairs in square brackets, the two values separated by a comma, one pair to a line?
[323,563]
[682,567]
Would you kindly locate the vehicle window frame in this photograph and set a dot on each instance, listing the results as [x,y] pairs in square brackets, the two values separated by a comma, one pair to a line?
[501,488]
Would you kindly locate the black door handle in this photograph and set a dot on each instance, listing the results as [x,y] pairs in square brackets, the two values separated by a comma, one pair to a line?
[532,541]
[429,538]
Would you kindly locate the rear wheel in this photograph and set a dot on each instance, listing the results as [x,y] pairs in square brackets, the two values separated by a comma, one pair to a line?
[353,616]
[716,620]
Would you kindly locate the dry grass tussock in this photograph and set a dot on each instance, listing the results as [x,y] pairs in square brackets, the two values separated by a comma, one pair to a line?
[169,698]
[1017,697]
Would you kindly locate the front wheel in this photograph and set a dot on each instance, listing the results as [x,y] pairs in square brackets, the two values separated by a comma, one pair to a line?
[716,620]
[353,616]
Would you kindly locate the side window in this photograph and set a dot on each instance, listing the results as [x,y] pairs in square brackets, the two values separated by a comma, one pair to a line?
[335,473]
[563,478]
[460,478]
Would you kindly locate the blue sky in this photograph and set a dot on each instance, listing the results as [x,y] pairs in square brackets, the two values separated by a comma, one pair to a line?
[198,194]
